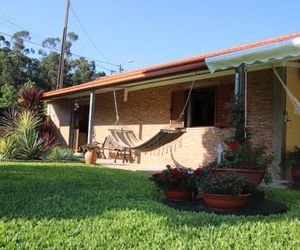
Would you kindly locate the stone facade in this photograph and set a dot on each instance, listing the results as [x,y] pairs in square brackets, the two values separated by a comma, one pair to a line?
[148,110]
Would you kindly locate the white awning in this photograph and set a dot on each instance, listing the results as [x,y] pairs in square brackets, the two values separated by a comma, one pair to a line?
[263,54]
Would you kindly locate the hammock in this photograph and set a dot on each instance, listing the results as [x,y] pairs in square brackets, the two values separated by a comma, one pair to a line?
[127,139]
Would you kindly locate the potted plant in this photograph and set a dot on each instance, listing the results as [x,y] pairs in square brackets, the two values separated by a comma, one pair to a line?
[224,192]
[242,156]
[246,159]
[293,158]
[90,156]
[177,183]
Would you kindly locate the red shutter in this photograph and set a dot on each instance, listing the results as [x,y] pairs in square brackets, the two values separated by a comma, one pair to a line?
[223,96]
[178,98]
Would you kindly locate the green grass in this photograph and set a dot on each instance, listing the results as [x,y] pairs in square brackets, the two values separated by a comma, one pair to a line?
[73,206]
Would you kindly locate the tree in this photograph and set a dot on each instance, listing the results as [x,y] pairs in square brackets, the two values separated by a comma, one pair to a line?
[8,96]
[20,64]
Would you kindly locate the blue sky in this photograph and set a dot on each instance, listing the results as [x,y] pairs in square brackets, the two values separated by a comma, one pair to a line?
[154,31]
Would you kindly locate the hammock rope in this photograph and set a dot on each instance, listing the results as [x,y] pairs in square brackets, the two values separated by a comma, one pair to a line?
[127,138]
[293,99]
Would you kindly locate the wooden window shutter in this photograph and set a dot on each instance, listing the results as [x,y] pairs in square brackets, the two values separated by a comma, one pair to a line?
[178,98]
[223,96]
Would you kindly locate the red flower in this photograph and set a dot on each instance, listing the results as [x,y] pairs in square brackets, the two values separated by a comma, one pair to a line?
[233,145]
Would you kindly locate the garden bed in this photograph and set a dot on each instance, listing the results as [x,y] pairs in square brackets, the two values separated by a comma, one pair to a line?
[252,207]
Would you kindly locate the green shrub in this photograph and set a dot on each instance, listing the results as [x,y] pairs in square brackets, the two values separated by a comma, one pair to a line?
[60,154]
[29,145]
[8,148]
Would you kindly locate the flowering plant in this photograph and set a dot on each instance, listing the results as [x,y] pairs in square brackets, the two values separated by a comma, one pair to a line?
[245,155]
[215,183]
[181,179]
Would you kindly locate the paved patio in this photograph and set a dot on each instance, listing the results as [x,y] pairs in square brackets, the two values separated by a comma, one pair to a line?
[282,184]
[130,166]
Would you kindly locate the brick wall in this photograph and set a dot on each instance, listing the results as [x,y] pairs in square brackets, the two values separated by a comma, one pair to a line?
[149,110]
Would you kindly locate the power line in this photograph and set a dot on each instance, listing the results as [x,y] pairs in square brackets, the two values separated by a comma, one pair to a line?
[37,36]
[19,27]
[54,49]
[89,37]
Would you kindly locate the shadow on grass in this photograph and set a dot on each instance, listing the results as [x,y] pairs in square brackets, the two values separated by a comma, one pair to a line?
[61,191]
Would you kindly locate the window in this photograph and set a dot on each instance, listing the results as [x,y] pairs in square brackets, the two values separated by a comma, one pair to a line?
[207,106]
[201,108]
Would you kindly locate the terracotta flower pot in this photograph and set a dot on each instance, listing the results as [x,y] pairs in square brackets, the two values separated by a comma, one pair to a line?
[295,172]
[90,156]
[175,195]
[256,176]
[226,203]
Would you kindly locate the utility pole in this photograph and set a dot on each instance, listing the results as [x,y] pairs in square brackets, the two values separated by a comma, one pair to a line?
[61,65]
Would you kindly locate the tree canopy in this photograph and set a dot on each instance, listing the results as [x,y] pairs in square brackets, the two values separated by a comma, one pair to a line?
[20,64]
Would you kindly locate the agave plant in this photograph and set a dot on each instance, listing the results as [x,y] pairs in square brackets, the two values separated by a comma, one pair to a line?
[31,100]
[29,145]
[8,148]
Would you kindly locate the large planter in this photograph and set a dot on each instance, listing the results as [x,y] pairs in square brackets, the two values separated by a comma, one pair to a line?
[256,176]
[175,195]
[90,156]
[225,203]
[295,172]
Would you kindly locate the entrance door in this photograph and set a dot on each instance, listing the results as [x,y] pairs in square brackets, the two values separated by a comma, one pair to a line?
[80,127]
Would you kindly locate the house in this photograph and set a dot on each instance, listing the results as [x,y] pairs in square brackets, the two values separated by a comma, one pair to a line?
[152,98]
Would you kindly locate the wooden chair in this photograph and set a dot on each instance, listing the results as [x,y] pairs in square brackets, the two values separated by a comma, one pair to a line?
[113,149]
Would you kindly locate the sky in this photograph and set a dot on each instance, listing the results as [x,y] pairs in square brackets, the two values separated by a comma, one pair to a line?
[138,33]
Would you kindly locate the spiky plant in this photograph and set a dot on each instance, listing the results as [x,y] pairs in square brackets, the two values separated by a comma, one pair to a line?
[8,148]
[29,145]
[60,154]
[26,120]
[7,121]
[49,136]
[31,100]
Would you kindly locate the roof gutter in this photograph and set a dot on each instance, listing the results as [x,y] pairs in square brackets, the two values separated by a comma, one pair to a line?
[134,76]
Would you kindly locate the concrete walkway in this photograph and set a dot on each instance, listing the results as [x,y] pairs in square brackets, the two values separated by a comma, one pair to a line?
[282,184]
[130,166]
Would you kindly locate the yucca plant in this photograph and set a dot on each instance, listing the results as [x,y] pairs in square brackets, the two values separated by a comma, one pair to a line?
[29,145]
[8,148]
[26,120]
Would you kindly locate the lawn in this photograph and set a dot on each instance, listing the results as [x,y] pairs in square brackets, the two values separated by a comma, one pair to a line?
[72,206]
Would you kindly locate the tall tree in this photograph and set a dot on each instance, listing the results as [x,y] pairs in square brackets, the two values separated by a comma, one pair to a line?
[19,64]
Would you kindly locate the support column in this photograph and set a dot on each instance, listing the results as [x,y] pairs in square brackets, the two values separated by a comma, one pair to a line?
[239,88]
[91,117]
